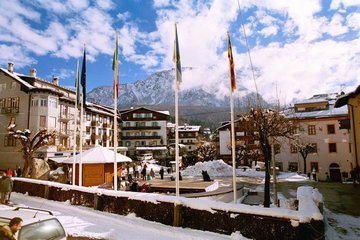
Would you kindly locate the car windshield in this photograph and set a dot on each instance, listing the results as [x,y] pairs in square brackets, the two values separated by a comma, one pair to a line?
[49,229]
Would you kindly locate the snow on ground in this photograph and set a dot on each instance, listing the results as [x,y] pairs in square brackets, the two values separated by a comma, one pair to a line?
[81,221]
[218,168]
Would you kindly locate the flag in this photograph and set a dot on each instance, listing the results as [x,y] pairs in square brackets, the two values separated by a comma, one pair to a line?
[77,87]
[115,67]
[83,78]
[232,66]
[176,59]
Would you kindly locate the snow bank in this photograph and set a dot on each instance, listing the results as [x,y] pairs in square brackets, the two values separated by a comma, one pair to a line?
[309,200]
[215,168]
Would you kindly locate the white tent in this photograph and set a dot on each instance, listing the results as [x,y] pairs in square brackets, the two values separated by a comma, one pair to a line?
[97,154]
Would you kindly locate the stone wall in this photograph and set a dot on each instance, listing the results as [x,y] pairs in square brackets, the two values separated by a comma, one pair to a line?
[225,221]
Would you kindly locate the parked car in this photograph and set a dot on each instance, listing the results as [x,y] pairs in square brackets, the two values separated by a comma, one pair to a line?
[37,223]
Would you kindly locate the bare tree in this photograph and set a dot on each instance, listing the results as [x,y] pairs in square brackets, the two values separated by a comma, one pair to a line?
[30,145]
[206,152]
[266,125]
[304,149]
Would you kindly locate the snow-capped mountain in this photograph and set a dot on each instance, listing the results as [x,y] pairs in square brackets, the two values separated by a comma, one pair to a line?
[158,89]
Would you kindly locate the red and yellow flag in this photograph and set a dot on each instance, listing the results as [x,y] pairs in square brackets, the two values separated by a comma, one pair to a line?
[232,65]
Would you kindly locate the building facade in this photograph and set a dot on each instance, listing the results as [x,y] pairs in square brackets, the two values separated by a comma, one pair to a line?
[33,103]
[144,130]
[189,136]
[352,100]
[317,122]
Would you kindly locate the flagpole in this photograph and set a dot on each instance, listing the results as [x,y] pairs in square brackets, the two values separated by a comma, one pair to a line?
[81,141]
[176,59]
[232,89]
[177,137]
[233,145]
[83,105]
[75,122]
[116,75]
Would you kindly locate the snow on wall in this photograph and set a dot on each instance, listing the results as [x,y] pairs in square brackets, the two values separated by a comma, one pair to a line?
[308,198]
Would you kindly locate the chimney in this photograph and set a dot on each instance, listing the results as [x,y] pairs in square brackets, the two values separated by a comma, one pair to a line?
[11,67]
[33,72]
[56,80]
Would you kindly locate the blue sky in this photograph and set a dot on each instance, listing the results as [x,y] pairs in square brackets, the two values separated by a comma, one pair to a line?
[298,47]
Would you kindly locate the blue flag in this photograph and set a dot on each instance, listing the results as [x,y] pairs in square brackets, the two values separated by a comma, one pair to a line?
[83,79]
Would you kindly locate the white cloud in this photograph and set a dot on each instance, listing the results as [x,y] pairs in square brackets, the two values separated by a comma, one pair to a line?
[336,26]
[353,21]
[105,4]
[335,4]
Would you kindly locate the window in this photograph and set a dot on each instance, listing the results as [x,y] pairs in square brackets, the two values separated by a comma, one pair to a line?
[88,129]
[154,133]
[34,101]
[314,166]
[293,166]
[43,101]
[88,117]
[127,124]
[331,129]
[293,130]
[143,143]
[154,124]
[332,148]
[9,141]
[2,103]
[12,120]
[277,148]
[293,149]
[2,87]
[311,130]
[43,121]
[314,149]
[137,143]
[127,143]
[13,85]
[53,102]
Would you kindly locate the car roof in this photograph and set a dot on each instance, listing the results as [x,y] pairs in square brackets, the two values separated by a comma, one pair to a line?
[28,215]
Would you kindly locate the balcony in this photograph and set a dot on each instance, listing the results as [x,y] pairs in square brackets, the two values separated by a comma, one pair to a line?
[139,137]
[65,133]
[95,137]
[142,128]
[9,110]
[107,125]
[95,124]
[64,117]
[106,137]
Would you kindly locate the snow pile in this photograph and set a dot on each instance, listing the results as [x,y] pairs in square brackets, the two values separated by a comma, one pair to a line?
[309,199]
[215,168]
[292,177]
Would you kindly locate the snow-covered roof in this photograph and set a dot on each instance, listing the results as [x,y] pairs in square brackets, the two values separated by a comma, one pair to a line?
[331,112]
[135,109]
[188,128]
[97,154]
[152,148]
[17,78]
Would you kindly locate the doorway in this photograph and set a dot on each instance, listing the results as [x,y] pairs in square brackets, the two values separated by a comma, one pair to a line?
[335,174]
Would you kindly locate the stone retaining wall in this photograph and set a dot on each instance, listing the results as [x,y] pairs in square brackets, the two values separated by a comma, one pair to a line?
[177,213]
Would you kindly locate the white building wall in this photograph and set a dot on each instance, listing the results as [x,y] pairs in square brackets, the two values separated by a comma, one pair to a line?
[224,141]
[323,157]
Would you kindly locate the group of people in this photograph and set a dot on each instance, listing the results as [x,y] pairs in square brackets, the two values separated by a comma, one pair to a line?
[6,186]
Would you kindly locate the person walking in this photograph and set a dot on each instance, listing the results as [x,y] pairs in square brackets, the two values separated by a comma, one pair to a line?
[6,185]
[161,172]
[7,232]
